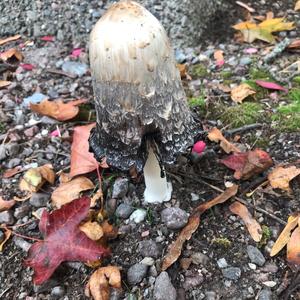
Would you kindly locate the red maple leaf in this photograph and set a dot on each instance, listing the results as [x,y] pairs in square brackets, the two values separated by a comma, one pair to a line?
[248,164]
[63,241]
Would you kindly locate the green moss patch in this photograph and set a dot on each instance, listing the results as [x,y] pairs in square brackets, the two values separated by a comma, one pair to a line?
[199,71]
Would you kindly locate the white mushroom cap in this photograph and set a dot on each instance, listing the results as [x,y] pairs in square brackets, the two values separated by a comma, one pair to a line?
[137,87]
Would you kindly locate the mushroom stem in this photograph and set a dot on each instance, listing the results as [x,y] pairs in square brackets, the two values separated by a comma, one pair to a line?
[157,190]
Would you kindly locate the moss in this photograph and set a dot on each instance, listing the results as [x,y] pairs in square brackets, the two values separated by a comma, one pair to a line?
[226,74]
[266,235]
[243,114]
[197,102]
[228,82]
[296,80]
[223,242]
[259,142]
[199,71]
[256,73]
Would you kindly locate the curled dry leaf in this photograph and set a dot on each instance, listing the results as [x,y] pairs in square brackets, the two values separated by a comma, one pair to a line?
[251,224]
[4,83]
[215,135]
[239,93]
[100,282]
[7,234]
[110,232]
[34,178]
[57,109]
[97,196]
[71,190]
[280,177]
[11,53]
[271,85]
[186,233]
[6,204]
[9,39]
[93,230]
[285,235]
[297,5]
[12,172]
[248,164]
[293,249]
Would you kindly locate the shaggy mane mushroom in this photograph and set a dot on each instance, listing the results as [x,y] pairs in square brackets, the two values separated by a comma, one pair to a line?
[140,102]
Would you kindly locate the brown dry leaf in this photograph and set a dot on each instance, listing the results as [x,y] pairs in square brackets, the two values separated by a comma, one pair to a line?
[22,199]
[93,230]
[10,53]
[57,109]
[251,224]
[9,39]
[293,249]
[215,135]
[12,172]
[7,234]
[185,263]
[285,235]
[280,177]
[6,204]
[219,57]
[34,178]
[183,69]
[64,177]
[297,5]
[110,232]
[70,191]
[174,250]
[97,196]
[100,282]
[239,93]
[4,83]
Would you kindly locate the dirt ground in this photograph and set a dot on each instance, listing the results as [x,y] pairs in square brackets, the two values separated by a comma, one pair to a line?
[221,237]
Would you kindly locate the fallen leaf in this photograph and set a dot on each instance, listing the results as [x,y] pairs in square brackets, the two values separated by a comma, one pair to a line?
[294,44]
[251,224]
[27,67]
[12,172]
[34,178]
[263,31]
[4,83]
[285,235]
[271,85]
[297,5]
[280,177]
[11,53]
[76,52]
[174,250]
[9,39]
[97,196]
[100,281]
[7,234]
[293,249]
[110,232]
[47,38]
[215,135]
[183,71]
[218,56]
[57,109]
[93,230]
[63,241]
[248,164]
[83,161]
[6,204]
[71,190]
[199,147]
[239,93]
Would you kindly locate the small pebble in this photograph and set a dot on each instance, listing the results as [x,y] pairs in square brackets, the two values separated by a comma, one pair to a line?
[199,258]
[163,288]
[269,283]
[21,243]
[57,292]
[124,211]
[255,255]
[120,188]
[6,217]
[138,216]
[149,248]
[232,273]
[39,199]
[265,294]
[149,261]
[136,273]
[174,217]
[222,263]
[252,266]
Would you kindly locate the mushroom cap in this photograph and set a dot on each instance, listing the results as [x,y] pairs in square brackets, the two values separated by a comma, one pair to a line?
[138,90]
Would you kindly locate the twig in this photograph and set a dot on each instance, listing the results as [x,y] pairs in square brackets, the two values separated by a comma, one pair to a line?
[278,49]
[26,237]
[59,72]
[243,128]
[272,216]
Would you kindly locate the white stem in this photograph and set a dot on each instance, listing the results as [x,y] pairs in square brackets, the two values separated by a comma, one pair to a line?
[157,189]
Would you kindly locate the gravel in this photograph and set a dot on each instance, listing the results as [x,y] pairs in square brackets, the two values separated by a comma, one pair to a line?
[124,211]
[149,248]
[163,288]
[255,256]
[136,273]
[232,273]
[120,188]
[174,217]
[6,217]
[265,294]
[138,216]
[39,199]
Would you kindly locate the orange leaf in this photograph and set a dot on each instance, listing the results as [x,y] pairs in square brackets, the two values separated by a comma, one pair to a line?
[83,161]
[239,93]
[10,53]
[93,230]
[280,177]
[9,39]
[218,56]
[57,109]
[293,249]
[7,234]
[285,235]
[100,281]
[183,71]
[251,224]
[70,191]
[5,205]
[186,233]
[215,135]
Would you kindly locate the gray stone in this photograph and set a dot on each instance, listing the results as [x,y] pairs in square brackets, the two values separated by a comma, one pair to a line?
[124,211]
[174,217]
[57,292]
[193,281]
[21,243]
[2,152]
[74,68]
[138,216]
[163,288]
[246,60]
[6,217]
[39,199]
[222,263]
[232,273]
[210,295]
[265,294]
[255,256]
[149,248]
[149,261]
[12,149]
[120,188]
[136,273]
[22,211]
[13,163]
[199,258]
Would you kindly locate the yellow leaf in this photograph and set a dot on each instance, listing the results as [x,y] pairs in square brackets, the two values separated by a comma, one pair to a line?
[285,235]
[263,31]
[239,93]
[93,230]
[297,6]
[280,177]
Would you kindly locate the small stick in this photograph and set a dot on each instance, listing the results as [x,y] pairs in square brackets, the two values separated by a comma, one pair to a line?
[58,72]
[26,237]
[243,128]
